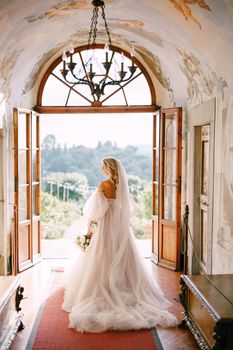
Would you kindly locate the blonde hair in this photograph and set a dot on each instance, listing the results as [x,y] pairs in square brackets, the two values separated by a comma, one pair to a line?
[111,165]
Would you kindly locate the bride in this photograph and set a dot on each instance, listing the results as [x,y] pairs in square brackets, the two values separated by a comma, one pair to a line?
[107,286]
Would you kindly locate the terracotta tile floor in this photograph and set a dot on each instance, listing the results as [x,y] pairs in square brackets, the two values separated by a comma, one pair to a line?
[36,283]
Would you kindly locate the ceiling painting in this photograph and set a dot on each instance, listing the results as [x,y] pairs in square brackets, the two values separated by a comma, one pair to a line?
[155,65]
[63,9]
[137,27]
[183,6]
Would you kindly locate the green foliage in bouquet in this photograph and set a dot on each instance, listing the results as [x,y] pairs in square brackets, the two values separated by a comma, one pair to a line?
[83,242]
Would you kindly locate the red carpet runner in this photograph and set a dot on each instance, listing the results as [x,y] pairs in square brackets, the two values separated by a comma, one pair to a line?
[53,333]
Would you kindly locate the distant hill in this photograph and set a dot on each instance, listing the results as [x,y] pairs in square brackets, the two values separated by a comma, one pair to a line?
[144,149]
[87,161]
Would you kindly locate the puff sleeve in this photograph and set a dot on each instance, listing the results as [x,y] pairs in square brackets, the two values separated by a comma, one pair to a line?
[96,206]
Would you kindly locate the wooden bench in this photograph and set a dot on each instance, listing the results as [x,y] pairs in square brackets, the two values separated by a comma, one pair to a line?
[208,304]
[10,311]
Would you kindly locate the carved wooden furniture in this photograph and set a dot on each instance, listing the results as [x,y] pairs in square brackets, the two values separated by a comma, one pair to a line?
[208,304]
[11,293]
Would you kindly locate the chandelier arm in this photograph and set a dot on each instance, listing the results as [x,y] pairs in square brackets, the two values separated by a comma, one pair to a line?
[121,87]
[80,81]
[114,82]
[93,87]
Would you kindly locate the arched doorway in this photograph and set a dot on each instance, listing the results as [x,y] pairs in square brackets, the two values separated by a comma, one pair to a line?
[126,98]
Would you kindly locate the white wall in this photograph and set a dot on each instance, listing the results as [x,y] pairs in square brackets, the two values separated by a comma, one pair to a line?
[223,187]
[219,112]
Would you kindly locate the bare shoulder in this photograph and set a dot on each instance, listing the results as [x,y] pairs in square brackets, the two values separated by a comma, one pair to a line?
[101,186]
[107,188]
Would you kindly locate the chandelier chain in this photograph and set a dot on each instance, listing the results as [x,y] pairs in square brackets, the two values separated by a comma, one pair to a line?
[106,25]
[93,27]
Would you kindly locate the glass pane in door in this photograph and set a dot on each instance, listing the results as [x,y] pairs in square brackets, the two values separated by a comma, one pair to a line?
[205,167]
[169,211]
[22,131]
[23,167]
[169,167]
[23,203]
[170,130]
[34,132]
[35,193]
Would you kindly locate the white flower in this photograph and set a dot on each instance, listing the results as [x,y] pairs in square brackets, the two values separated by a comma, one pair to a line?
[82,239]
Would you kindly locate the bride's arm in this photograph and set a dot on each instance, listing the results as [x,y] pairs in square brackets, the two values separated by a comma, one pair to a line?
[92,224]
[95,208]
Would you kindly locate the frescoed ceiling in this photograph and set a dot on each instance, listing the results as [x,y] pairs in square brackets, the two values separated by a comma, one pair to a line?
[186,44]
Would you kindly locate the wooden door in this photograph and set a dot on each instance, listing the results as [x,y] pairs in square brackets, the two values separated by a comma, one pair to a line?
[166,205]
[27,189]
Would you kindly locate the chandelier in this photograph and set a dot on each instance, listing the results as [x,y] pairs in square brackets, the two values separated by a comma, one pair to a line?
[97,81]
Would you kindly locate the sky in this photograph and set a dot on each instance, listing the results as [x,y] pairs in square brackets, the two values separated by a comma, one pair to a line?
[87,129]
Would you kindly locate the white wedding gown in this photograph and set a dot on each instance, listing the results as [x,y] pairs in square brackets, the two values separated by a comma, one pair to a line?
[108,287]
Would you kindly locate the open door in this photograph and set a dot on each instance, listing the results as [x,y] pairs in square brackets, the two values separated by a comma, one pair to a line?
[26,242]
[166,205]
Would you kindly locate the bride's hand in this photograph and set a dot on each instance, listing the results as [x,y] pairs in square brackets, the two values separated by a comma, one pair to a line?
[89,234]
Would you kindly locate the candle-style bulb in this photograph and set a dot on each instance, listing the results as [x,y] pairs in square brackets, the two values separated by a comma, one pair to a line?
[64,56]
[132,52]
[71,49]
[106,47]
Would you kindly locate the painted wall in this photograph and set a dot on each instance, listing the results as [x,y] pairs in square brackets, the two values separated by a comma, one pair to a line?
[187,48]
[223,203]
[219,109]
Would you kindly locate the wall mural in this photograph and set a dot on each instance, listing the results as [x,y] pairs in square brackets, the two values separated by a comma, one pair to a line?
[225,235]
[7,63]
[155,65]
[183,7]
[34,75]
[136,26]
[63,9]
[204,84]
[201,85]
[223,247]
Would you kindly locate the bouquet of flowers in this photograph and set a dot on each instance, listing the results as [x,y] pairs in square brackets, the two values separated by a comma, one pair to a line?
[83,241]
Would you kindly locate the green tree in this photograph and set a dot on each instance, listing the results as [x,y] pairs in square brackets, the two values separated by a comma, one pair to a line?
[75,183]
[49,142]
[136,186]
[146,197]
[87,161]
[56,216]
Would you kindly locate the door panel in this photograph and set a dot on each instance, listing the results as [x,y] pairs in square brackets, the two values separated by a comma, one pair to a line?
[36,185]
[167,187]
[155,188]
[205,130]
[27,188]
